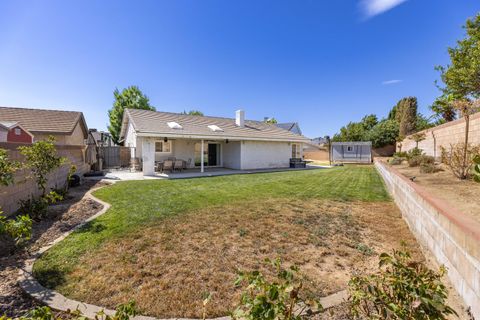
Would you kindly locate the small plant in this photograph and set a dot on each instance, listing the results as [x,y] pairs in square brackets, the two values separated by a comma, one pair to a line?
[415,152]
[396,161]
[476,168]
[454,158]
[122,312]
[400,154]
[279,299]
[19,229]
[403,289]
[37,208]
[365,249]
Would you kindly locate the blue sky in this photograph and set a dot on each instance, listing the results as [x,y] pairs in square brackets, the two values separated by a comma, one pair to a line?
[321,63]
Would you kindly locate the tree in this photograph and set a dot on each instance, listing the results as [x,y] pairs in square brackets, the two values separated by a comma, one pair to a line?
[369,121]
[423,123]
[383,133]
[418,137]
[443,108]
[466,109]
[406,115]
[131,98]
[7,168]
[271,120]
[41,158]
[193,112]
[462,76]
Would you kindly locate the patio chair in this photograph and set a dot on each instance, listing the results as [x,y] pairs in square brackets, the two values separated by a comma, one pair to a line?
[168,165]
[178,165]
[188,163]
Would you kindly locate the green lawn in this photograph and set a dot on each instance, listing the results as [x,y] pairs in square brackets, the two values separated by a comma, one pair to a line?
[136,204]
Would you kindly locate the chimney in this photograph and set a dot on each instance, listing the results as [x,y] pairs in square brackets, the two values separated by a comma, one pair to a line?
[240,118]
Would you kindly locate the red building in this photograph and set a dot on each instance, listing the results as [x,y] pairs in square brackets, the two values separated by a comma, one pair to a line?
[13,132]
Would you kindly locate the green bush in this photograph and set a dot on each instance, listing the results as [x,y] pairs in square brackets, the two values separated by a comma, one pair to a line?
[396,161]
[428,168]
[403,289]
[415,152]
[400,154]
[277,300]
[37,208]
[476,168]
[19,229]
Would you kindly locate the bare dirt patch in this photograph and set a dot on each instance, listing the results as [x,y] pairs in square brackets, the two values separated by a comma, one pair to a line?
[170,267]
[60,218]
[461,194]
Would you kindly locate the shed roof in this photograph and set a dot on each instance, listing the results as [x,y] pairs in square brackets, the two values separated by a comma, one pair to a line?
[352,143]
[146,122]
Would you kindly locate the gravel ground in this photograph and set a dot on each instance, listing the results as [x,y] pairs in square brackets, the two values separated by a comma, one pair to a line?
[61,217]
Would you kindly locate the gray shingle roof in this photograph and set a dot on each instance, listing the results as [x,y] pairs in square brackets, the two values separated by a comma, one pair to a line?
[154,122]
[43,121]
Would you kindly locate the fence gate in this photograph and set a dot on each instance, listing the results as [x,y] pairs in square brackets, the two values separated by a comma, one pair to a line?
[115,156]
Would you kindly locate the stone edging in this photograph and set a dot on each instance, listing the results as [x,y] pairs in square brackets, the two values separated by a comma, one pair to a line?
[57,301]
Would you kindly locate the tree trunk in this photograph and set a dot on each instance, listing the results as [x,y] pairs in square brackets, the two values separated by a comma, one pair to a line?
[465,149]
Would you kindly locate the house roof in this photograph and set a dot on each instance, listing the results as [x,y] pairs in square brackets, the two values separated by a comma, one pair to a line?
[8,124]
[154,123]
[44,121]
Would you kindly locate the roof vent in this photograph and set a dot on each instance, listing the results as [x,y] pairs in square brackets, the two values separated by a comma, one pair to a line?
[215,128]
[174,125]
[240,118]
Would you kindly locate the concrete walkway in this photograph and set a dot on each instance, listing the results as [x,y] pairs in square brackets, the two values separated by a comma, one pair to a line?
[125,175]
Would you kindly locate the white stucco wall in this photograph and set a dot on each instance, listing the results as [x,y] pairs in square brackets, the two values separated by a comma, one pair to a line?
[181,149]
[265,154]
[232,155]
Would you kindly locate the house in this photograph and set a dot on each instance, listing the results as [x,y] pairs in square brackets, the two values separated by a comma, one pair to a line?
[204,141]
[11,131]
[68,127]
[290,126]
[355,151]
[102,138]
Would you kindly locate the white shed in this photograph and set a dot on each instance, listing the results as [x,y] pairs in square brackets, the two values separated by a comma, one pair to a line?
[355,151]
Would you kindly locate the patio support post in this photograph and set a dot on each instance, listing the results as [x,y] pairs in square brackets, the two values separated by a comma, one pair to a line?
[201,158]
[148,156]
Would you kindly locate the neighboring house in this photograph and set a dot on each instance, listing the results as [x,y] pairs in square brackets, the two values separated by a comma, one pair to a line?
[11,131]
[102,138]
[208,141]
[355,151]
[290,126]
[68,127]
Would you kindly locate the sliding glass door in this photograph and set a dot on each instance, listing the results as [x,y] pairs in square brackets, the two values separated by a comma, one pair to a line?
[211,154]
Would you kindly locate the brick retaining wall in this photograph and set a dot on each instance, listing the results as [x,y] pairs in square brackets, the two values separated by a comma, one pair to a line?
[444,135]
[451,236]
[25,187]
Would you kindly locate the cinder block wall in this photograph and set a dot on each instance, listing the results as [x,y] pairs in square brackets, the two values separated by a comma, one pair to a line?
[451,236]
[25,187]
[444,135]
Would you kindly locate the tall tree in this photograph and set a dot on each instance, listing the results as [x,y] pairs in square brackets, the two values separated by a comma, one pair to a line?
[271,120]
[462,76]
[131,98]
[406,115]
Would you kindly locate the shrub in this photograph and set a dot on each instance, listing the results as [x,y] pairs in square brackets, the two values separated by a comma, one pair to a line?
[400,154]
[272,300]
[415,152]
[454,158]
[396,161]
[19,229]
[37,208]
[403,289]
[41,158]
[476,168]
[428,168]
[414,161]
[122,312]
[7,168]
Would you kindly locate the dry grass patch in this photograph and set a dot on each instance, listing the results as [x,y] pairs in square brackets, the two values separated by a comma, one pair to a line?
[168,268]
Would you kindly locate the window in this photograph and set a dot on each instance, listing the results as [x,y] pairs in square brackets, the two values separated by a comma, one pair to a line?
[349,149]
[162,146]
[295,150]
[18,131]
[174,125]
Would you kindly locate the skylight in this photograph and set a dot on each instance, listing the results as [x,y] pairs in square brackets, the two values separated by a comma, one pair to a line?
[215,128]
[174,125]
